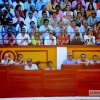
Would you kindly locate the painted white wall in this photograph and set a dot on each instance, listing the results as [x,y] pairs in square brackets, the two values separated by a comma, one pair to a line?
[61,56]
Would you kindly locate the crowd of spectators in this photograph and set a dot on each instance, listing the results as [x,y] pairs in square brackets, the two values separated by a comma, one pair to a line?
[49,22]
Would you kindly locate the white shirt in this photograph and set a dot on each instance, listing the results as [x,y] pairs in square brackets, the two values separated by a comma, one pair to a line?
[33,67]
[87,38]
[20,3]
[94,5]
[20,38]
[49,68]
[47,41]
[71,13]
[40,14]
[9,63]
[28,20]
[98,13]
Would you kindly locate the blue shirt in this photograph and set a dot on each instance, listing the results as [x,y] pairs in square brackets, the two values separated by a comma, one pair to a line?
[13,29]
[92,62]
[67,61]
[39,5]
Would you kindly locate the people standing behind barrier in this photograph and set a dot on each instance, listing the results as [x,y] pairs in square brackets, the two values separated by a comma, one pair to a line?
[36,38]
[89,39]
[62,38]
[69,59]
[50,66]
[30,66]
[95,60]
[7,60]
[83,60]
[23,38]
[50,39]
[39,65]
[9,38]
[20,60]
[45,28]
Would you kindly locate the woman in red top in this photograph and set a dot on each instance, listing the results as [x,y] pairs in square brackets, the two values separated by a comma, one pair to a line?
[62,38]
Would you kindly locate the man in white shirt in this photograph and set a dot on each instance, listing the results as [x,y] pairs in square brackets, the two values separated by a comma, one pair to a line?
[44,29]
[50,39]
[30,66]
[7,60]
[23,38]
[29,19]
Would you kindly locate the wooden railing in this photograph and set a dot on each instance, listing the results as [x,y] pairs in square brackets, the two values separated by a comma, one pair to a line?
[11,67]
[80,66]
[37,83]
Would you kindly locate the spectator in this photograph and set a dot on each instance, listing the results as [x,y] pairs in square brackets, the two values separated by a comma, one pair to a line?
[44,16]
[39,65]
[4,18]
[62,38]
[31,29]
[93,19]
[77,9]
[27,5]
[79,19]
[59,12]
[10,25]
[29,19]
[69,59]
[43,8]
[3,1]
[95,60]
[96,29]
[84,28]
[18,2]
[20,60]
[91,2]
[23,38]
[67,20]
[36,38]
[75,2]
[68,11]
[19,26]
[50,39]
[9,39]
[39,4]
[30,66]
[89,39]
[83,60]
[45,28]
[10,11]
[64,3]
[98,40]
[59,27]
[89,10]
[35,14]
[1,30]
[7,60]
[17,18]
[18,8]
[54,20]
[72,29]
[51,5]
[50,66]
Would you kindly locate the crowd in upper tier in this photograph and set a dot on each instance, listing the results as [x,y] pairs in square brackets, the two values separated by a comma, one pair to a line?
[49,22]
